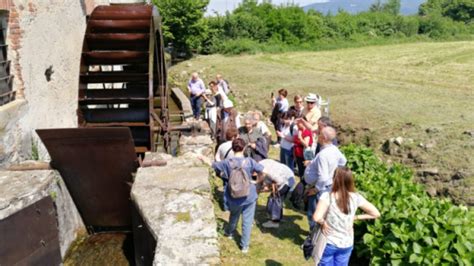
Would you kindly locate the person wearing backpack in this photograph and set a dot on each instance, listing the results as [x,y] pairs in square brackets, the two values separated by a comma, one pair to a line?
[241,192]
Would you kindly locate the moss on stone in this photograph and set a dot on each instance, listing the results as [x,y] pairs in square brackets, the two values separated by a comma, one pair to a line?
[183,217]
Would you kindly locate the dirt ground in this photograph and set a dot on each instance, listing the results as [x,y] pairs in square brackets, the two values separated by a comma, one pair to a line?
[412,103]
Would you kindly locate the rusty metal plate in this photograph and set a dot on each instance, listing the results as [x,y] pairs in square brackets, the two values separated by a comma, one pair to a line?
[143,239]
[30,236]
[96,165]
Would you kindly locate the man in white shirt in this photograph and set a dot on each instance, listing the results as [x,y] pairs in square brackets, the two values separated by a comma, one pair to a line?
[319,173]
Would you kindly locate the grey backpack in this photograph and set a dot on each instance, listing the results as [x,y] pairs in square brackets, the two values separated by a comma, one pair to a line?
[239,180]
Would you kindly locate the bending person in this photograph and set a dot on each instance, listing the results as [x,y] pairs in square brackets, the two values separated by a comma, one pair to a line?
[335,213]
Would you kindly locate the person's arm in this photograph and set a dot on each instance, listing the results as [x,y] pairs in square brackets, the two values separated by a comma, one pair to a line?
[342,160]
[310,174]
[320,213]
[217,157]
[189,87]
[305,141]
[371,212]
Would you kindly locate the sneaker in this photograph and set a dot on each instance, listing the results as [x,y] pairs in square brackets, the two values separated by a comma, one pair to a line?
[229,236]
[245,250]
[271,224]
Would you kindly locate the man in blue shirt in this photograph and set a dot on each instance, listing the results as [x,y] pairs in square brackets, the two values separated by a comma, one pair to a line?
[319,173]
[196,90]
[245,205]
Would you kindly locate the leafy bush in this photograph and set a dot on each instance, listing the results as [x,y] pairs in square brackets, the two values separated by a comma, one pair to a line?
[413,228]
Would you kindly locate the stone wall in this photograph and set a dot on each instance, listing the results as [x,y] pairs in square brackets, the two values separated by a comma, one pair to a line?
[42,35]
[175,201]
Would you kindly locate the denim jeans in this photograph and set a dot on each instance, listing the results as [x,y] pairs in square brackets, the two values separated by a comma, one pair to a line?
[286,158]
[335,256]
[248,213]
[312,202]
[196,103]
[301,167]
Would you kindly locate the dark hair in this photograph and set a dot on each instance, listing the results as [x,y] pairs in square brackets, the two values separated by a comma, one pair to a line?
[238,145]
[231,133]
[212,83]
[343,183]
[297,97]
[287,115]
[283,92]
[326,121]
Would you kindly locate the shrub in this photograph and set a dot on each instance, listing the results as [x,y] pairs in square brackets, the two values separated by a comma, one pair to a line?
[413,228]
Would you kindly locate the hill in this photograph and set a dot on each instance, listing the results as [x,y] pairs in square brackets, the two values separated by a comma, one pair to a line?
[408,7]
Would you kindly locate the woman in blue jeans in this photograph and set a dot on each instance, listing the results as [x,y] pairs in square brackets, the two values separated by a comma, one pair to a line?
[335,213]
[244,205]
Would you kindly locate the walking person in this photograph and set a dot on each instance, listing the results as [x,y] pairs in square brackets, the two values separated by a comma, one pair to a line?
[227,118]
[320,171]
[280,105]
[335,213]
[196,90]
[244,206]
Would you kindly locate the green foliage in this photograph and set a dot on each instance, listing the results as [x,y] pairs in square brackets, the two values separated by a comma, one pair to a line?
[413,228]
[457,10]
[183,23]
[34,150]
[254,27]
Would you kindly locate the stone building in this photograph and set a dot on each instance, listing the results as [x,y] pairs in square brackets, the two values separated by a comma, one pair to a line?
[42,49]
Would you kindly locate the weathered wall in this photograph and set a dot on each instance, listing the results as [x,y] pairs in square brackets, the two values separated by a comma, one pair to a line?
[43,34]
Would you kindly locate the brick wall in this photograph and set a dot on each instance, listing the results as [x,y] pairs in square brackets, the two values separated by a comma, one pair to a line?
[14,35]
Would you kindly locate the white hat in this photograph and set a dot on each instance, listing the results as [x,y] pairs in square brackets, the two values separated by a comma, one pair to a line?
[312,98]
[228,103]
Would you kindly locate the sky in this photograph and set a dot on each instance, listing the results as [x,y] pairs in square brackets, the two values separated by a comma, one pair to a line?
[221,6]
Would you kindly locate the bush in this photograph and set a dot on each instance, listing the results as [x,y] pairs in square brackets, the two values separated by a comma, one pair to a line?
[413,228]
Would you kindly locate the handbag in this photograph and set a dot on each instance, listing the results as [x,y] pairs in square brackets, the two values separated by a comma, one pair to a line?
[275,205]
[315,243]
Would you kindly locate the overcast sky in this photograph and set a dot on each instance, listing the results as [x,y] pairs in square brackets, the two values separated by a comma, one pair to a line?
[223,5]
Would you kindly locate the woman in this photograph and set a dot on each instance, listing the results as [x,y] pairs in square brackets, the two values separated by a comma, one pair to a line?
[286,144]
[335,213]
[213,103]
[301,141]
[257,147]
[245,205]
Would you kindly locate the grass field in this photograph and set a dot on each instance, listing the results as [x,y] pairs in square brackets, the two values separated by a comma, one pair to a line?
[376,93]
[423,92]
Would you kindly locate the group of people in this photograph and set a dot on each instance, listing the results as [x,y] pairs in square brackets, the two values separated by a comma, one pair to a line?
[308,147]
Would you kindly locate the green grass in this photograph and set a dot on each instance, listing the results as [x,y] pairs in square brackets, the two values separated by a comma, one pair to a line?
[376,93]
[268,246]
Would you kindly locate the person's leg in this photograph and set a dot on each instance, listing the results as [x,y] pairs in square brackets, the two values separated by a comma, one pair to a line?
[193,105]
[328,256]
[282,156]
[301,167]
[342,256]
[235,211]
[198,107]
[311,209]
[248,214]
[226,204]
[291,160]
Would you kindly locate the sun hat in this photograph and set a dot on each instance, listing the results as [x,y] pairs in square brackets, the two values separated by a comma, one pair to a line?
[228,103]
[311,98]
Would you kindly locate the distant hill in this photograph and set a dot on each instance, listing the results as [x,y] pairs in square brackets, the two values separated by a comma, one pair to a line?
[408,7]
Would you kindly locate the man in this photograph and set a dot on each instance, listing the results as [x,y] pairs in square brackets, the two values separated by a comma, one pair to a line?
[323,122]
[225,149]
[282,177]
[298,108]
[222,84]
[227,118]
[312,113]
[196,90]
[319,173]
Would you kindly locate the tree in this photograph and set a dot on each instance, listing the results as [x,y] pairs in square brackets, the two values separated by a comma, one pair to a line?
[391,6]
[183,24]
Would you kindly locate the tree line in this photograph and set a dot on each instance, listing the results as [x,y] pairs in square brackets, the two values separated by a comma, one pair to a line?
[254,26]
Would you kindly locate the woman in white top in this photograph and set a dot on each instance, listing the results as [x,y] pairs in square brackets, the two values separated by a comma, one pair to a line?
[335,213]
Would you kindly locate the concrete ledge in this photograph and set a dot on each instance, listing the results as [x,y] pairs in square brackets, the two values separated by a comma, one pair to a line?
[20,189]
[176,203]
